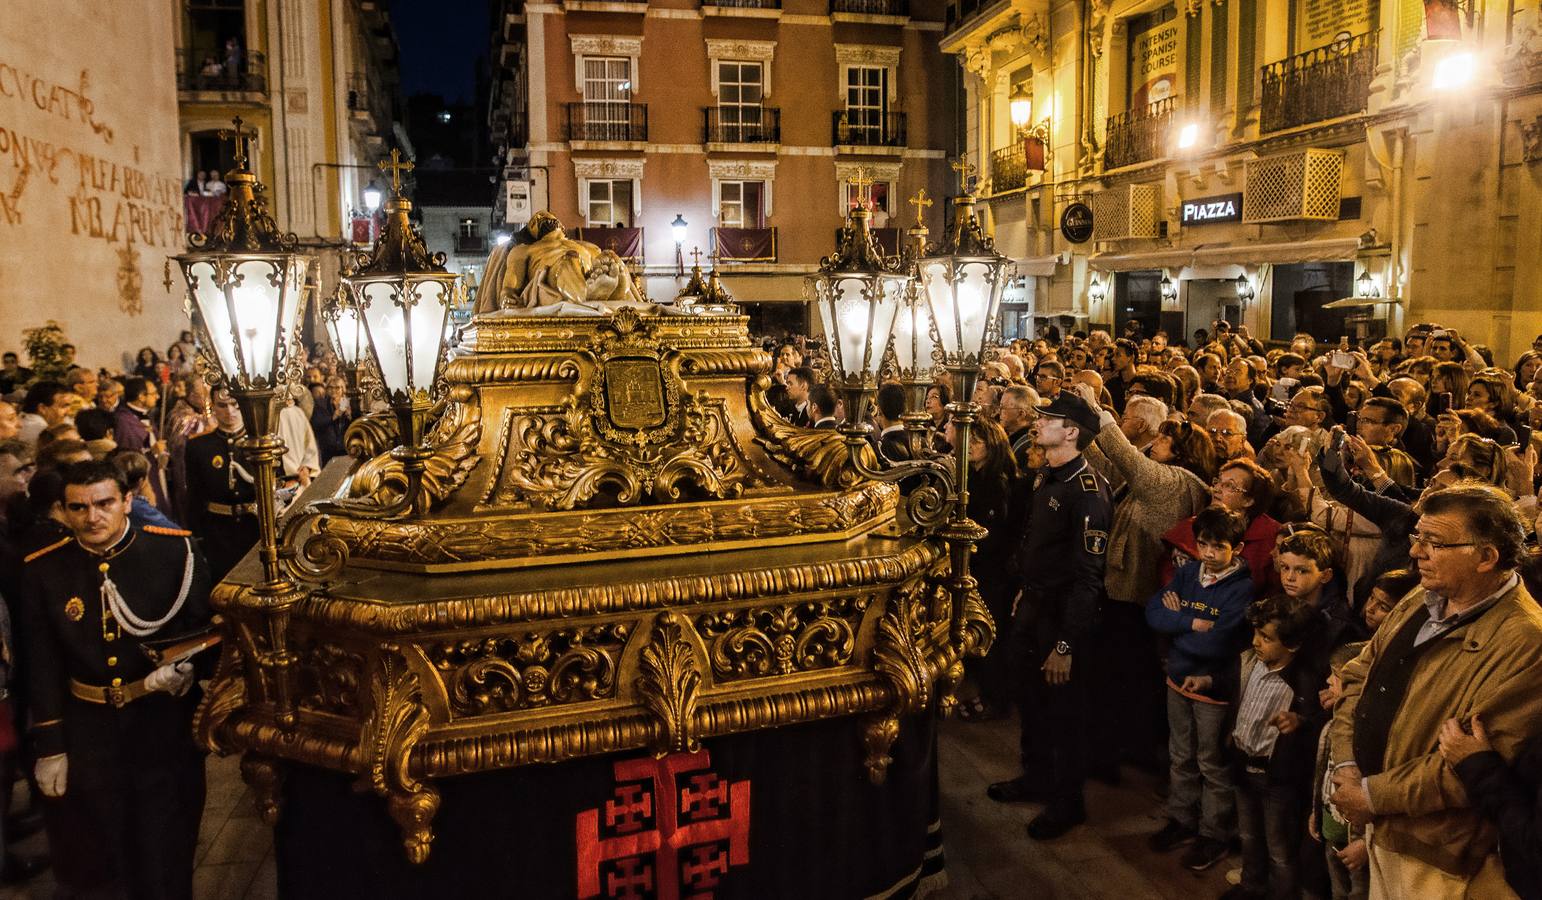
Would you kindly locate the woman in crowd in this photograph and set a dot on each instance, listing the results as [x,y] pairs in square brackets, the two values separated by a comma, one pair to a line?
[992,472]
[147,365]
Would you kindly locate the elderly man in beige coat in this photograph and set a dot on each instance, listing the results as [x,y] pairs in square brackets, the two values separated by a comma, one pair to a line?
[1467,641]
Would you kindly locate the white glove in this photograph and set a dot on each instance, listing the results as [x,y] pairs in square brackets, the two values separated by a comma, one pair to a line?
[51,773]
[173,679]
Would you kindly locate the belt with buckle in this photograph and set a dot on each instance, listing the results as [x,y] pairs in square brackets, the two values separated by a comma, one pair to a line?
[233,509]
[116,696]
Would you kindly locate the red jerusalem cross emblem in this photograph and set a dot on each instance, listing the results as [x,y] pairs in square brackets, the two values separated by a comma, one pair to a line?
[670,830]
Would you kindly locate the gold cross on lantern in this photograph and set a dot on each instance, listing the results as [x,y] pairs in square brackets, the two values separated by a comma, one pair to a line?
[242,139]
[921,202]
[696,256]
[965,169]
[862,183]
[396,167]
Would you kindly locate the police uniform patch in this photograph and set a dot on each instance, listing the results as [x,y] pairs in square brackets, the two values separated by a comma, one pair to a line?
[1054,503]
[1038,481]
[217,462]
[1095,541]
[75,609]
[1089,482]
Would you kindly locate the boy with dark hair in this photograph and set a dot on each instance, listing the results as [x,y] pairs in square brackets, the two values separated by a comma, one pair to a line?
[1305,561]
[1203,609]
[1279,715]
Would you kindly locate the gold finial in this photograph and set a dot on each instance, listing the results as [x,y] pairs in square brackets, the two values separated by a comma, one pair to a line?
[921,202]
[242,140]
[696,256]
[396,167]
[862,183]
[965,169]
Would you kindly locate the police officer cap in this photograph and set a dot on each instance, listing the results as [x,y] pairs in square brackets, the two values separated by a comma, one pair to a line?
[1069,406]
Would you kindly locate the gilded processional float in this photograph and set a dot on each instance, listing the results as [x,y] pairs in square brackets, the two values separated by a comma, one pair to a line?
[585,616]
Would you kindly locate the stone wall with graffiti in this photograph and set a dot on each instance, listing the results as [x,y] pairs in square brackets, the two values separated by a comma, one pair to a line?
[90,187]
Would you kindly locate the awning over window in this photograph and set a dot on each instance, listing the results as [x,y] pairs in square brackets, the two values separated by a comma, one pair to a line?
[1131,262]
[1207,261]
[1037,266]
[1329,250]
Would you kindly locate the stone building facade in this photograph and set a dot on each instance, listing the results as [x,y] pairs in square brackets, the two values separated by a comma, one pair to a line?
[1261,159]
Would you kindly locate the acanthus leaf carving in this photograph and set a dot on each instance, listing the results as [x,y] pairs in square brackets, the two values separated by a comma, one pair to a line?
[397,720]
[670,683]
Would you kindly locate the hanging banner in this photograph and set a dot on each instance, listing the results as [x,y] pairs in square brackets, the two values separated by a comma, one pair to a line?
[1320,23]
[1442,20]
[1154,64]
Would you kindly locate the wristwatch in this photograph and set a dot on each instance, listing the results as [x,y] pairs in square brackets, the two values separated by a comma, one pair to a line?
[1063,648]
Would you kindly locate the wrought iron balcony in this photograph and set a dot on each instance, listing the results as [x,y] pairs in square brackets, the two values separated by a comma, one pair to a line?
[607,120]
[470,243]
[742,125]
[1319,84]
[745,4]
[1009,167]
[1139,135]
[201,70]
[871,7]
[867,128]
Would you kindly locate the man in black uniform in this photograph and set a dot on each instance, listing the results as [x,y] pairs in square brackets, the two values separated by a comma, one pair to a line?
[220,494]
[1062,562]
[113,730]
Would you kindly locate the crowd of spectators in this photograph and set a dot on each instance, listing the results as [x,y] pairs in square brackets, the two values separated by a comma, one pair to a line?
[141,420]
[1317,617]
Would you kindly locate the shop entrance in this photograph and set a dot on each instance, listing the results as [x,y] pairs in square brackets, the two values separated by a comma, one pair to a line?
[1301,289]
[1138,300]
[1205,301]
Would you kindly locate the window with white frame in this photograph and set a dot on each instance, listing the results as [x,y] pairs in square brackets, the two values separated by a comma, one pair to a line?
[877,196]
[867,99]
[740,204]
[469,228]
[608,93]
[610,204]
[741,93]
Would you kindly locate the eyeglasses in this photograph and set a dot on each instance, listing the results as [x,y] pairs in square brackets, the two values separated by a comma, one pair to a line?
[1224,432]
[1227,486]
[1415,539]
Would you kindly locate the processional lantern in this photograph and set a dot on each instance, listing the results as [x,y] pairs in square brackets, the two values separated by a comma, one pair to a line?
[402,294]
[858,292]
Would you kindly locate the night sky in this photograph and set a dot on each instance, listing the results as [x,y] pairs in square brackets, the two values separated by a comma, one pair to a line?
[441,41]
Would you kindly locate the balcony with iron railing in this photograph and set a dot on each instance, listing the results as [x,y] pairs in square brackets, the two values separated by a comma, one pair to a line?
[470,243]
[742,125]
[1318,85]
[898,8]
[1009,168]
[1139,135]
[606,121]
[203,70]
[867,128]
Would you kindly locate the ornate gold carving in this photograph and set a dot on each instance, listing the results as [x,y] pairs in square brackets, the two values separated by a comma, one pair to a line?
[504,673]
[331,677]
[265,776]
[542,537]
[879,731]
[669,682]
[454,439]
[371,435]
[629,433]
[397,720]
[818,454]
[226,694]
[781,640]
[901,662]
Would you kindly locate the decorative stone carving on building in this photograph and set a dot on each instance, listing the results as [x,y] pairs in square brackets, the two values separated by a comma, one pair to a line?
[866,55]
[604,45]
[608,168]
[1531,140]
[732,169]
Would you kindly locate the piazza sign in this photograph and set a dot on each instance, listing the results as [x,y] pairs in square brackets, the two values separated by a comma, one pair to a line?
[1212,210]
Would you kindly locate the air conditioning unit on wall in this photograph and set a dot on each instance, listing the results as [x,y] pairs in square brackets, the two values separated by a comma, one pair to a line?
[1304,185]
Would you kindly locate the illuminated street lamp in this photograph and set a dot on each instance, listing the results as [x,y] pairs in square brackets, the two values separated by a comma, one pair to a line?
[1021,106]
[1097,290]
[1455,71]
[1365,286]
[1167,290]
[1244,289]
[245,284]
[403,295]
[372,197]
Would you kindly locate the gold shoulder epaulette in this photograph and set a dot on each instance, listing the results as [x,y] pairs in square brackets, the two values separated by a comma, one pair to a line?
[160,529]
[46,550]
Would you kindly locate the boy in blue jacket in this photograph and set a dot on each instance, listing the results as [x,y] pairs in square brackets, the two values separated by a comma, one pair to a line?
[1204,610]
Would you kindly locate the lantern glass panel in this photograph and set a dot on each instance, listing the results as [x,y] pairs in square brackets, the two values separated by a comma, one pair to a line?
[214,309]
[427,330]
[387,330]
[913,342]
[858,315]
[347,332]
